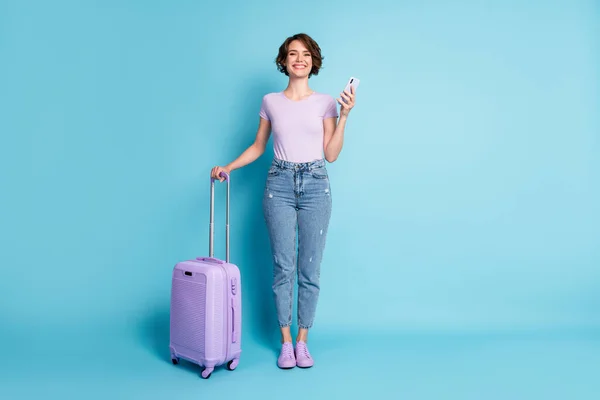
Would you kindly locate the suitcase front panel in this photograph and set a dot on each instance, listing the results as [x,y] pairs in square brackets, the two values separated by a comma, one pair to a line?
[188,320]
[199,312]
[215,318]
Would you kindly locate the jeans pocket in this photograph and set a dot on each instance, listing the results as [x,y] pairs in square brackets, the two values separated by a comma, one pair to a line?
[319,173]
[273,171]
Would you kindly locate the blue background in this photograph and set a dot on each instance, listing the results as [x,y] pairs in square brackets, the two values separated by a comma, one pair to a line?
[463,256]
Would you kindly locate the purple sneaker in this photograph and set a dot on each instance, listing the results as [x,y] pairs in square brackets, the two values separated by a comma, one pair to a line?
[303,358]
[286,358]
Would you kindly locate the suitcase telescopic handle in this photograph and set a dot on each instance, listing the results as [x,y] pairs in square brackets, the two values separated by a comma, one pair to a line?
[212,218]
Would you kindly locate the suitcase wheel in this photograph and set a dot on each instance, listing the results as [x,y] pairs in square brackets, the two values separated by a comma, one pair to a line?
[207,372]
[174,360]
[231,365]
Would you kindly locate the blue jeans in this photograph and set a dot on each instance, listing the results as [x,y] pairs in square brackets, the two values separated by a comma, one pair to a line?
[297,200]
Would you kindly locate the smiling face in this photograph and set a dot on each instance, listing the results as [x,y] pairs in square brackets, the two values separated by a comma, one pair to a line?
[299,60]
[299,57]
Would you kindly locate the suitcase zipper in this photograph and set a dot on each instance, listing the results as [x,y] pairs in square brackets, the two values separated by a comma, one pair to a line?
[228,307]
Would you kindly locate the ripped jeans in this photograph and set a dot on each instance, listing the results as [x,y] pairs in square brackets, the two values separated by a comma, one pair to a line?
[297,200]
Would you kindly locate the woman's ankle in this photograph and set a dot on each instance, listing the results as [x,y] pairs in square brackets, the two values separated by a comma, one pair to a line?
[286,335]
[302,335]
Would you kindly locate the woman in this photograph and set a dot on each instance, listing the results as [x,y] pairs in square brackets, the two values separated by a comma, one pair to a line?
[297,196]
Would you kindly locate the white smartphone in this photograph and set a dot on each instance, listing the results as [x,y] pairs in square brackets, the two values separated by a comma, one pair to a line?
[354,82]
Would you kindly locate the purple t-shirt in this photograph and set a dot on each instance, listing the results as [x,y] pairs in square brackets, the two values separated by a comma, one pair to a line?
[297,126]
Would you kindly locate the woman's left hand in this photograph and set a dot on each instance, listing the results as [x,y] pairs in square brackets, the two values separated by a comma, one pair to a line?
[347,101]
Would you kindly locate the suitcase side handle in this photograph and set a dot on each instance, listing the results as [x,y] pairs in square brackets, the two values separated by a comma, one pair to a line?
[233,331]
[212,218]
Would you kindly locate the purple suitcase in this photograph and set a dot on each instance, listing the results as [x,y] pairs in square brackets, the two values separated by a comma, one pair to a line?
[206,306]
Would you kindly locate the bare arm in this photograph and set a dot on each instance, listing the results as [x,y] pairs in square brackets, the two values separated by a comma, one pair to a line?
[249,155]
[334,137]
[333,140]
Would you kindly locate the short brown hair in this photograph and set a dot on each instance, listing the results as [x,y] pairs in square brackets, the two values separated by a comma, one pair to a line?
[311,45]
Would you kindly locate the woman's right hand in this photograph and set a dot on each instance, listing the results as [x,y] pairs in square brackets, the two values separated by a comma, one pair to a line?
[216,173]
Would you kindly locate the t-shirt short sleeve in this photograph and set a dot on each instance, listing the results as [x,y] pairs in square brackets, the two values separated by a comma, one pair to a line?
[263,109]
[331,108]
